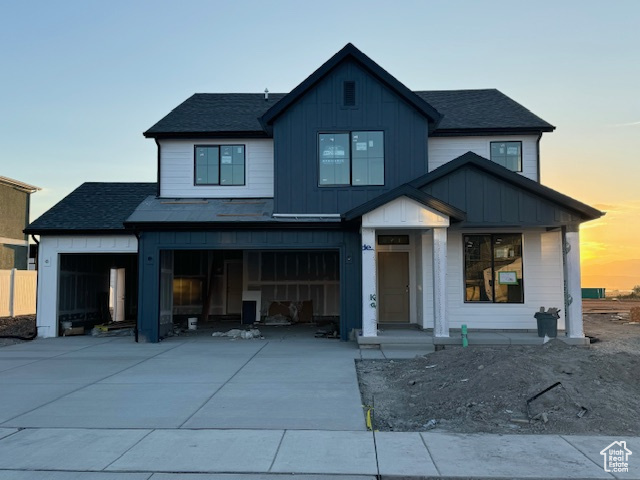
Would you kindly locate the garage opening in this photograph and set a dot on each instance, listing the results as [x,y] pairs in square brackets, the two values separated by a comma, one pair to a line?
[96,289]
[288,287]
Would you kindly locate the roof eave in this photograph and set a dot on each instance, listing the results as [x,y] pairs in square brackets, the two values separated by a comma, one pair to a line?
[24,187]
[456,132]
[84,231]
[209,134]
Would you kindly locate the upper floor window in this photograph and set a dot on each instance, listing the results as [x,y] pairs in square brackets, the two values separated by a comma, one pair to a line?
[507,154]
[493,268]
[351,158]
[219,164]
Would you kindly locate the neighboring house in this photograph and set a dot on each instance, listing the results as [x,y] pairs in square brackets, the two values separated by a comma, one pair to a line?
[15,198]
[377,203]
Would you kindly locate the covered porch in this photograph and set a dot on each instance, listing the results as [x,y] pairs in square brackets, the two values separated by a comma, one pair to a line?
[404,262]
[489,267]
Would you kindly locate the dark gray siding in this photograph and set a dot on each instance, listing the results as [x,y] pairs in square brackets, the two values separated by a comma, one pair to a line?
[490,201]
[320,110]
[346,242]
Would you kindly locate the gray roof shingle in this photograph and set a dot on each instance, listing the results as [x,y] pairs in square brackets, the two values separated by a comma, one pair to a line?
[216,112]
[481,109]
[93,206]
[239,113]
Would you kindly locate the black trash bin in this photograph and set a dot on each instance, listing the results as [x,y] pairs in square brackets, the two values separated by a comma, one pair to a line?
[547,324]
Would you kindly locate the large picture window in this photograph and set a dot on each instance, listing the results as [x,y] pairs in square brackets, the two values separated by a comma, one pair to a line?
[507,154]
[353,158]
[219,164]
[493,268]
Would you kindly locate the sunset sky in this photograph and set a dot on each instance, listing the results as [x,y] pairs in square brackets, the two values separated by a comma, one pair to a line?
[81,81]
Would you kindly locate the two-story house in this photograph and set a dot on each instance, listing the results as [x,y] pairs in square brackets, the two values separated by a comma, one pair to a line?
[15,202]
[376,203]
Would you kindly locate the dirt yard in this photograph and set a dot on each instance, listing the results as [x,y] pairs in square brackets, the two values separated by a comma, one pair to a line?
[485,389]
[23,327]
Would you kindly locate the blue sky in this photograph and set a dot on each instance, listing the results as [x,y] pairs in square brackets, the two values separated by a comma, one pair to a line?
[81,80]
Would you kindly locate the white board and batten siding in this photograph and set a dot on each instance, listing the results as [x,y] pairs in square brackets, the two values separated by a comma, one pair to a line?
[543,285]
[48,266]
[177,170]
[445,149]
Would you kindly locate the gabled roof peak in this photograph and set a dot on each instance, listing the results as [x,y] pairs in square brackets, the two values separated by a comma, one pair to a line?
[351,51]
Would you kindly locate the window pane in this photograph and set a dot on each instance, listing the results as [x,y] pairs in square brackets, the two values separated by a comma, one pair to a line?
[507,154]
[376,171]
[238,155]
[477,268]
[238,174]
[213,175]
[226,174]
[368,158]
[507,263]
[360,171]
[226,155]
[207,165]
[334,158]
[202,175]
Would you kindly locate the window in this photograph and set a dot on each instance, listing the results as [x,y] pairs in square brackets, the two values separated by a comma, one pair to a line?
[493,268]
[507,154]
[219,165]
[354,158]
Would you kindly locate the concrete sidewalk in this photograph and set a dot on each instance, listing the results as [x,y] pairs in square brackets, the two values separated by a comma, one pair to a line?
[171,454]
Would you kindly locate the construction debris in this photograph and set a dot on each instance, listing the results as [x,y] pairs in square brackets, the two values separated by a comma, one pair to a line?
[237,333]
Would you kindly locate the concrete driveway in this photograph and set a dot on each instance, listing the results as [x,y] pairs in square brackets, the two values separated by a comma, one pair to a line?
[289,380]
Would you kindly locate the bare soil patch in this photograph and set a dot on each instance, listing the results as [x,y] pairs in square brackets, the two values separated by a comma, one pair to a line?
[485,389]
[24,326]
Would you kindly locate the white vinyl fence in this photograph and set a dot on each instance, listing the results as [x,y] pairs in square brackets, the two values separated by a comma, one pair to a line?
[17,292]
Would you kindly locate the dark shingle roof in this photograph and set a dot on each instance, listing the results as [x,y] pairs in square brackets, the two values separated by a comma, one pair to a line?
[93,207]
[216,112]
[236,114]
[481,109]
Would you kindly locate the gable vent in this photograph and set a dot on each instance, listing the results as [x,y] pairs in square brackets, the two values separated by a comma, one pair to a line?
[349,94]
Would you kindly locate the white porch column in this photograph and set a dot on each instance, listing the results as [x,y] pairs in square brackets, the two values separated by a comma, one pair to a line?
[440,321]
[424,293]
[572,288]
[369,284]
